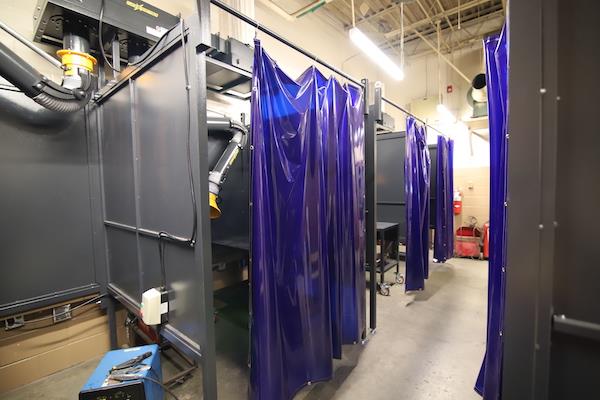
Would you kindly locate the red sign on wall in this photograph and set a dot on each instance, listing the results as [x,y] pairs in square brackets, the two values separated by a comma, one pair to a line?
[449,89]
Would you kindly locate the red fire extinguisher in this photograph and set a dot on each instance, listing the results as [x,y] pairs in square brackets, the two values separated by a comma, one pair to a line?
[457,203]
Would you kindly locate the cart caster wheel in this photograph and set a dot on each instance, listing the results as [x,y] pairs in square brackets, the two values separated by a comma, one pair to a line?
[399,279]
[384,290]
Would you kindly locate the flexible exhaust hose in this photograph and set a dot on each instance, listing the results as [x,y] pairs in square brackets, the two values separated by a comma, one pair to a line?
[36,86]
[59,105]
[219,172]
[15,70]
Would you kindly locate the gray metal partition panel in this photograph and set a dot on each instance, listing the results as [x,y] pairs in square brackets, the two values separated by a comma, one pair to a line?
[117,168]
[391,197]
[143,125]
[46,218]
[552,322]
[147,186]
[524,204]
[552,317]
[575,358]
[123,261]
[161,119]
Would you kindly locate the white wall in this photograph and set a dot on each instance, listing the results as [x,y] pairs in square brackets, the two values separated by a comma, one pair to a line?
[19,16]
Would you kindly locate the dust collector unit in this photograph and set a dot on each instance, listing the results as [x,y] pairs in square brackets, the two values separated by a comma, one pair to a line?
[477,96]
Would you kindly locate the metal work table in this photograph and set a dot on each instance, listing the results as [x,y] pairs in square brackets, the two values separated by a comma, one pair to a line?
[388,235]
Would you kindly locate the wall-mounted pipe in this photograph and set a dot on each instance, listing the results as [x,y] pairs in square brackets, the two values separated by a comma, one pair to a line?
[218,174]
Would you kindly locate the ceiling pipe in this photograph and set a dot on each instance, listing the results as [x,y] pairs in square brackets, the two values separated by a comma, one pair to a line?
[311,7]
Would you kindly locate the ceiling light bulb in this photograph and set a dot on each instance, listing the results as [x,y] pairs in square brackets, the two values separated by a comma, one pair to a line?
[376,54]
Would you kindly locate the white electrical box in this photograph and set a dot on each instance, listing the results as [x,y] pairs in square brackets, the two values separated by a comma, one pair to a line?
[153,307]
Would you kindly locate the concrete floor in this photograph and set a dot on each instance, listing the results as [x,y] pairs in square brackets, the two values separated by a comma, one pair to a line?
[427,346]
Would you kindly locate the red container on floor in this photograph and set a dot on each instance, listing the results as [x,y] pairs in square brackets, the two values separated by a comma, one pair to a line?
[486,240]
[467,242]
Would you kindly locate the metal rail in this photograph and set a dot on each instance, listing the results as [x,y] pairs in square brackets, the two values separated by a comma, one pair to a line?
[405,111]
[30,45]
[308,54]
[283,40]
[145,232]
[575,327]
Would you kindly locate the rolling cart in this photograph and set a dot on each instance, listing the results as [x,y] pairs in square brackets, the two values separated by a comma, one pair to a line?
[388,236]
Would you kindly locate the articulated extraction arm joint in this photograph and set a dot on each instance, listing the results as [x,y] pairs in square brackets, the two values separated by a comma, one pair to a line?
[78,78]
[218,174]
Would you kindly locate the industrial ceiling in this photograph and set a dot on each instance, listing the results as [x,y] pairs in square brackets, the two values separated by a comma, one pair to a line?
[461,22]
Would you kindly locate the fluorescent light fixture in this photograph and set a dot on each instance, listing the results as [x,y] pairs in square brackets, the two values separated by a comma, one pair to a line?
[376,54]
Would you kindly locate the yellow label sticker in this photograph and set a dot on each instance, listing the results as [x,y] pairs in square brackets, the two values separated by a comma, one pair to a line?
[140,7]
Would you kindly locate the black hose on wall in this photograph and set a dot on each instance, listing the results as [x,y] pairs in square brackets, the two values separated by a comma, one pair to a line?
[52,103]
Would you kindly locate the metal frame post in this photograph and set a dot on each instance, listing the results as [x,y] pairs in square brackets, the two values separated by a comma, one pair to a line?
[203,251]
[372,119]
[533,88]
[365,89]
[109,303]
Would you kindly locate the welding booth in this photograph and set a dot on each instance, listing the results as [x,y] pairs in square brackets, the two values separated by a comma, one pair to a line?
[137,196]
[414,192]
[140,196]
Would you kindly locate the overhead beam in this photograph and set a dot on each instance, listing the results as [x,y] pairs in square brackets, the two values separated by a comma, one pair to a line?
[463,43]
[498,14]
[385,10]
[443,57]
[447,13]
[443,11]
[431,21]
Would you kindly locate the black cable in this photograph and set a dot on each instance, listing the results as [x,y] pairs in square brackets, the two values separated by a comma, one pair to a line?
[100,40]
[161,256]
[149,52]
[134,377]
[165,388]
[85,303]
[165,235]
[144,57]
[189,136]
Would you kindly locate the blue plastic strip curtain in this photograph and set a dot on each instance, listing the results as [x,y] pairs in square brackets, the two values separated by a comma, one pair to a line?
[307,276]
[489,381]
[416,182]
[443,244]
